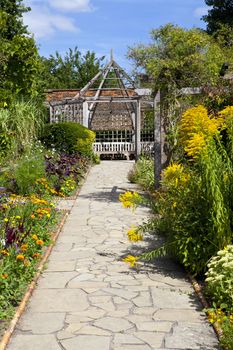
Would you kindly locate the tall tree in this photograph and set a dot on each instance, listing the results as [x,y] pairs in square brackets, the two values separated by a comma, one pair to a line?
[19,59]
[72,71]
[178,58]
[13,10]
[219,21]
[220,14]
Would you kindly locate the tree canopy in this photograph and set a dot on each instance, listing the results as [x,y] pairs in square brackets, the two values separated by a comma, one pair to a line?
[19,58]
[72,71]
[179,57]
[219,21]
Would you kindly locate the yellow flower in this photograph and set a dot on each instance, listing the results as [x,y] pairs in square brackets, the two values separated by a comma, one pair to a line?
[39,242]
[35,237]
[196,127]
[6,220]
[4,276]
[132,260]
[24,247]
[20,257]
[196,120]
[175,175]
[134,235]
[129,199]
[5,252]
[18,217]
[196,145]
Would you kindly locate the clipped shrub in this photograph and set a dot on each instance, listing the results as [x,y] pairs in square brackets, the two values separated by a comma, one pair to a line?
[68,137]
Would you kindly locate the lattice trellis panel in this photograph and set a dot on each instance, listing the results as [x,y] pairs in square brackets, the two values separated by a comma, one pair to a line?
[66,113]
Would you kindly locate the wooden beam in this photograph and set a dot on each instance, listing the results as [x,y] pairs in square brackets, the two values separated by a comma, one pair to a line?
[158,141]
[138,131]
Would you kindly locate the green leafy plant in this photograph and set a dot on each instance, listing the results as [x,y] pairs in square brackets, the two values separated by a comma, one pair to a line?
[219,278]
[143,173]
[69,137]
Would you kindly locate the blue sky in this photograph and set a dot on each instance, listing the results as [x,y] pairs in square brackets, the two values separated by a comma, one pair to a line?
[99,25]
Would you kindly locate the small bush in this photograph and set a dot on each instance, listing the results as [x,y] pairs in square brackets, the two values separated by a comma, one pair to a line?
[29,168]
[220,278]
[143,173]
[69,137]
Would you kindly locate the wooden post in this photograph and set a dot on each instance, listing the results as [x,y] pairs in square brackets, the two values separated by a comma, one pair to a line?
[85,114]
[158,141]
[138,131]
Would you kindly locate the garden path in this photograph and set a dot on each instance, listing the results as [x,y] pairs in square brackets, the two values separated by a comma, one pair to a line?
[88,299]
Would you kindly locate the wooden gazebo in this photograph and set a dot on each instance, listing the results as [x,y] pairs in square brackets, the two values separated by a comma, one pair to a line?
[112,106]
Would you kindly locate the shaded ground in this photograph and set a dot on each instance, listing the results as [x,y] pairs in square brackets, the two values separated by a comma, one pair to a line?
[89,299]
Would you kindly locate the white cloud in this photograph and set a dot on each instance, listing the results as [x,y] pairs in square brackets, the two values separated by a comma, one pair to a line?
[42,23]
[71,5]
[200,11]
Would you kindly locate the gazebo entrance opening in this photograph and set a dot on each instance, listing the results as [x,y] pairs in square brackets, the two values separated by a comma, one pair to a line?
[112,106]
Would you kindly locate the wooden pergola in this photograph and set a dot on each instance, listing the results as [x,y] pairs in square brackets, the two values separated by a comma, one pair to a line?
[110,99]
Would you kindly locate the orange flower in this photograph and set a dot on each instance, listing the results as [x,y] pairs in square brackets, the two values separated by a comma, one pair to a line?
[24,247]
[4,276]
[39,242]
[5,252]
[20,257]
[36,255]
[32,216]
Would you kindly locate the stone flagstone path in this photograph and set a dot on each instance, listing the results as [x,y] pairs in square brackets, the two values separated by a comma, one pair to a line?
[88,299]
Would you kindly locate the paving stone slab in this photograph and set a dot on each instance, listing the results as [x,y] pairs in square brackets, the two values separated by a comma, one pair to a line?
[42,323]
[58,300]
[86,342]
[33,342]
[192,336]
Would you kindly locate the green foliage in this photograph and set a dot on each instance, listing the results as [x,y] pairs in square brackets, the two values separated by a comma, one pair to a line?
[28,169]
[71,72]
[219,18]
[69,137]
[227,339]
[179,58]
[19,63]
[220,279]
[143,173]
[13,11]
[19,126]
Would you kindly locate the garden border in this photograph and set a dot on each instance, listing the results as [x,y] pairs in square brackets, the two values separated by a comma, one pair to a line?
[20,309]
[198,290]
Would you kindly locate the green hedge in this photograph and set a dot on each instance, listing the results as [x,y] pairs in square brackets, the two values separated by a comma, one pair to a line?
[69,137]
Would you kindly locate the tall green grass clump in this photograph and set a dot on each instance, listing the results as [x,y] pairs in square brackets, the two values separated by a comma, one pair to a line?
[19,127]
[143,173]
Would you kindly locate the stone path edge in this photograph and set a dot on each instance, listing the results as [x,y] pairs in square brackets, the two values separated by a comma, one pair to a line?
[8,333]
[198,290]
[19,311]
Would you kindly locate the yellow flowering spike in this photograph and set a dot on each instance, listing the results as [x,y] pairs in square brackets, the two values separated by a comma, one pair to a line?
[175,175]
[132,260]
[196,146]
[196,127]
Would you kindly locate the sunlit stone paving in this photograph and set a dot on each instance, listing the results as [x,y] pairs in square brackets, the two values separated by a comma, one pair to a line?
[89,299]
